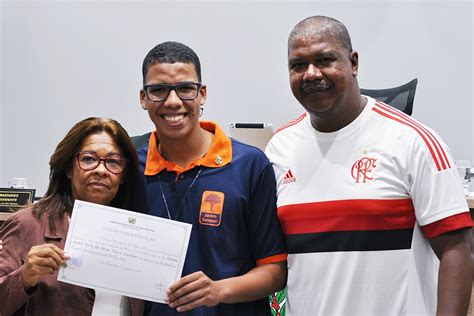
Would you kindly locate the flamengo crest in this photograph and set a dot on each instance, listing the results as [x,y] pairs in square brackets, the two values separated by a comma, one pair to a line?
[362,168]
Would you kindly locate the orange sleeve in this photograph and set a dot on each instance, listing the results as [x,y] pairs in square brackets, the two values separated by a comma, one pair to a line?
[272,259]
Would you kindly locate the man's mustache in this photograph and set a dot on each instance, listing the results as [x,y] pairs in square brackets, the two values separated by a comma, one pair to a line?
[314,86]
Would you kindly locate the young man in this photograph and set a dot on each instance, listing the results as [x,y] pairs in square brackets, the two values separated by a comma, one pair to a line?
[365,194]
[225,189]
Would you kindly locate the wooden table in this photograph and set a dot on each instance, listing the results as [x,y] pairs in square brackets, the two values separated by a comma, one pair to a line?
[4,216]
[470,202]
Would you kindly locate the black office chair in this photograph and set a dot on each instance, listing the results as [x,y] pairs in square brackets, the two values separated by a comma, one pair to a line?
[401,97]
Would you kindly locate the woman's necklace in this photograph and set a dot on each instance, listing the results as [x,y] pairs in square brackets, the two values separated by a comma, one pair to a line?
[181,204]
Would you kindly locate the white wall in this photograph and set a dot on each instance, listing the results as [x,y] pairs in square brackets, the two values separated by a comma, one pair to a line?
[63,61]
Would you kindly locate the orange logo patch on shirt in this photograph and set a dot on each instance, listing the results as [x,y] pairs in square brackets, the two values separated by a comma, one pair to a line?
[212,204]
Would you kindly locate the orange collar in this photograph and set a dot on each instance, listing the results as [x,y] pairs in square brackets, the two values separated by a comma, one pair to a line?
[218,155]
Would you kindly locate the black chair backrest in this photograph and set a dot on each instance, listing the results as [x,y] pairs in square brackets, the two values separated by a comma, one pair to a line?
[400,97]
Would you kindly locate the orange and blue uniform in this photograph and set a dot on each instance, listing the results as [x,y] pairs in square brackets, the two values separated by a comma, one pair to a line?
[229,197]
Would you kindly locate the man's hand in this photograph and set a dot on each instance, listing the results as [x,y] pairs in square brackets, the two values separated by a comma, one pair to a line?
[194,290]
[197,289]
[41,260]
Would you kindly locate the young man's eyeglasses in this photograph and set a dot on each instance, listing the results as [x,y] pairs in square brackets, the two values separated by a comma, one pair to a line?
[89,161]
[185,91]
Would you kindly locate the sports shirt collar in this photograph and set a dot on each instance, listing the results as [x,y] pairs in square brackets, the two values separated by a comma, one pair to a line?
[218,155]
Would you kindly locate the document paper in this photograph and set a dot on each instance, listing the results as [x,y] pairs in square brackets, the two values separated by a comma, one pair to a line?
[129,253]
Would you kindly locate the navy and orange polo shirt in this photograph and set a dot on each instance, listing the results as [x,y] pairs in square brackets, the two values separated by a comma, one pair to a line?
[229,197]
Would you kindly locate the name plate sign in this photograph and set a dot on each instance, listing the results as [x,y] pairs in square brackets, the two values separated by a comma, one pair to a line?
[11,199]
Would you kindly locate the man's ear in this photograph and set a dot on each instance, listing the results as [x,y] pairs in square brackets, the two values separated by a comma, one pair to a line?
[355,63]
[142,99]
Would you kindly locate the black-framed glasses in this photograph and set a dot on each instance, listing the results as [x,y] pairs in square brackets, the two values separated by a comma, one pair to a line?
[88,161]
[184,90]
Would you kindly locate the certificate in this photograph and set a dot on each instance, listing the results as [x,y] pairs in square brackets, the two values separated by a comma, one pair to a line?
[131,254]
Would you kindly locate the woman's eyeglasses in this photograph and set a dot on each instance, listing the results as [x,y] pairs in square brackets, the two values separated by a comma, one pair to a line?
[89,161]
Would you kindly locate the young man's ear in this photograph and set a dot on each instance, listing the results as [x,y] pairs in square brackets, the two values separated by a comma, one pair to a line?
[143,99]
[202,95]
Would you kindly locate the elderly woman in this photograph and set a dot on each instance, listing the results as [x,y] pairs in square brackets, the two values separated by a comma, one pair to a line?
[95,162]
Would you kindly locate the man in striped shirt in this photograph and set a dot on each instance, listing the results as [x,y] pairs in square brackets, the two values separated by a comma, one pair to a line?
[373,212]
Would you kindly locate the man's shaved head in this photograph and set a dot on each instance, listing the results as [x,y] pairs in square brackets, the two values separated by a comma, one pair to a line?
[321,25]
